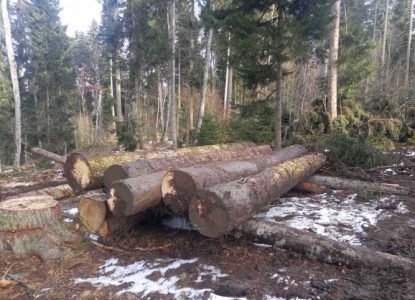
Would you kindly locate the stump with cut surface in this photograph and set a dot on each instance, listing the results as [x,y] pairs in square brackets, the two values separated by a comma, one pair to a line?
[86,171]
[143,167]
[134,195]
[179,186]
[33,226]
[217,210]
[95,217]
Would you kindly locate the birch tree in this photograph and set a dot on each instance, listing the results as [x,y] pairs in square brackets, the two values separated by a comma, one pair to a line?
[334,54]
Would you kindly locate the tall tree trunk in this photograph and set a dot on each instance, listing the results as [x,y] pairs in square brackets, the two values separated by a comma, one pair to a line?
[118,91]
[279,95]
[375,20]
[15,83]
[408,51]
[112,93]
[179,96]
[192,50]
[160,99]
[205,78]
[334,54]
[385,33]
[228,109]
[47,111]
[98,120]
[225,101]
[137,110]
[173,75]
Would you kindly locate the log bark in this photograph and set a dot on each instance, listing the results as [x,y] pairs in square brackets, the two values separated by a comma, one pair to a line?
[134,195]
[310,188]
[356,185]
[217,210]
[143,167]
[86,172]
[318,247]
[56,193]
[96,218]
[49,155]
[32,226]
[179,186]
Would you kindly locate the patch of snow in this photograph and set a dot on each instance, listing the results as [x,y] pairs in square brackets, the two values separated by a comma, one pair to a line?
[72,211]
[216,297]
[330,280]
[8,171]
[389,171]
[176,223]
[262,245]
[45,289]
[68,220]
[335,216]
[137,276]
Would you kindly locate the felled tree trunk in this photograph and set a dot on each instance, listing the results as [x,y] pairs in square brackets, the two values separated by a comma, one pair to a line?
[95,217]
[56,193]
[179,186]
[143,167]
[49,155]
[32,226]
[310,188]
[134,195]
[356,185]
[319,247]
[86,172]
[217,210]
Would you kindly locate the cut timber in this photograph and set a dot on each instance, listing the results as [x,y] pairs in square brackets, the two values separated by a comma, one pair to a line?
[56,192]
[143,167]
[319,247]
[49,155]
[310,188]
[217,210]
[96,218]
[86,172]
[32,226]
[179,186]
[134,195]
[356,185]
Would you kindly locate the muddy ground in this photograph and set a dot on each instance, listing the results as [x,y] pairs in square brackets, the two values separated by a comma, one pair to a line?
[181,264]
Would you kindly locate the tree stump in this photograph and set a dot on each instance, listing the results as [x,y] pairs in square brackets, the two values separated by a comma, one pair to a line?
[33,226]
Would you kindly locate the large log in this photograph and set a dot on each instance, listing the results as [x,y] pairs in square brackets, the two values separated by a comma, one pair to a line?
[318,247]
[356,185]
[180,185]
[143,167]
[219,209]
[133,195]
[49,155]
[58,192]
[95,217]
[33,226]
[86,171]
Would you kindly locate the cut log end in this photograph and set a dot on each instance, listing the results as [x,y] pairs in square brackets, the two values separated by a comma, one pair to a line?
[208,214]
[119,199]
[114,173]
[177,189]
[78,171]
[92,213]
[29,203]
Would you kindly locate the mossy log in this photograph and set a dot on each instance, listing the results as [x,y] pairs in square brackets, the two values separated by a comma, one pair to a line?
[134,195]
[33,226]
[49,155]
[337,183]
[219,209]
[86,171]
[143,167]
[96,218]
[56,193]
[180,185]
[318,247]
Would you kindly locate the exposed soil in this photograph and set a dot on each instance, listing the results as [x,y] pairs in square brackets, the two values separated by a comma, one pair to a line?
[252,269]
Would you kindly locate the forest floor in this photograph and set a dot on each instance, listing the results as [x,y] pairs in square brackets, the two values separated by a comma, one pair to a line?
[190,266]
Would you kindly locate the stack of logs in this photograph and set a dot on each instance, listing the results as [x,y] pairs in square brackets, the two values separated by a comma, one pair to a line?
[218,188]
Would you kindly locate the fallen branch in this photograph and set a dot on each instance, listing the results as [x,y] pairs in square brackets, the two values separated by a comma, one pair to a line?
[319,247]
[49,155]
[6,283]
[107,248]
[154,248]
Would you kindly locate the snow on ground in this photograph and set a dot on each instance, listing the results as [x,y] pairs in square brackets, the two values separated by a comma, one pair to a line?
[338,217]
[72,211]
[176,223]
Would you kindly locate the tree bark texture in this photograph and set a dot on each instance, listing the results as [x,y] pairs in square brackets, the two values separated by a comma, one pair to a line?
[143,167]
[49,155]
[118,92]
[15,84]
[334,55]
[385,34]
[321,248]
[356,185]
[179,186]
[86,172]
[134,195]
[173,75]
[408,50]
[217,210]
[56,193]
[32,226]
[310,188]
